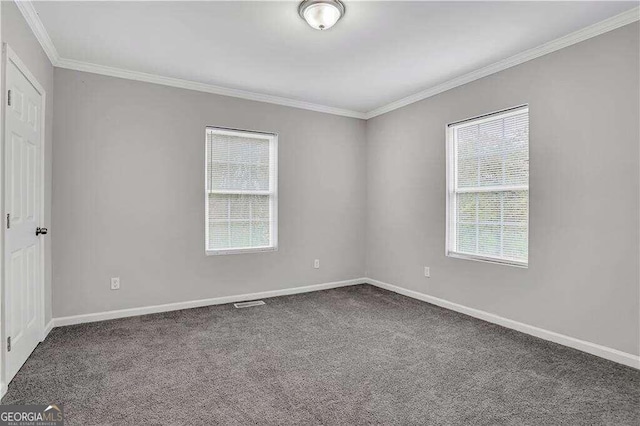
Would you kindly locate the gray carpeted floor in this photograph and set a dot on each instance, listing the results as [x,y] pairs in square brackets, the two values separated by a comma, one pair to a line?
[355,355]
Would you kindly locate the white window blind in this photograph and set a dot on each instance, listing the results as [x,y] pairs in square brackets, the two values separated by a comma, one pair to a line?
[241,191]
[488,187]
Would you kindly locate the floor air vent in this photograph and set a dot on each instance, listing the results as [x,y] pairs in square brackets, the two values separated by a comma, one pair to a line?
[248,304]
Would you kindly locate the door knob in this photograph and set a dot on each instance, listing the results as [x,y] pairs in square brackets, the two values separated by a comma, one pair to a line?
[42,231]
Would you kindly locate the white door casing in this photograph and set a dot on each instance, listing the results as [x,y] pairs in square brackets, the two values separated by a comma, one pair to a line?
[23,189]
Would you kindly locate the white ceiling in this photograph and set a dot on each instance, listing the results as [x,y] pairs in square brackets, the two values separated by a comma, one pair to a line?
[378,53]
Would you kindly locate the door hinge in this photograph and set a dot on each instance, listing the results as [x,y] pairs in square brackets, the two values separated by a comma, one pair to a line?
[9,98]
[8,220]
[9,344]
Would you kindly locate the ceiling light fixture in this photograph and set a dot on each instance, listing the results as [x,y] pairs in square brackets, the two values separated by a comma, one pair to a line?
[321,14]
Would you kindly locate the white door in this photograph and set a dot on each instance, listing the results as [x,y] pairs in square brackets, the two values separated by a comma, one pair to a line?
[23,191]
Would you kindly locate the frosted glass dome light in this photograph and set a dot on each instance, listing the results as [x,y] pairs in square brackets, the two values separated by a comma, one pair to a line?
[321,14]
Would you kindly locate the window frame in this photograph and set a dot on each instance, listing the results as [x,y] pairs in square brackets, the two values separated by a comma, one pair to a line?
[272,192]
[451,175]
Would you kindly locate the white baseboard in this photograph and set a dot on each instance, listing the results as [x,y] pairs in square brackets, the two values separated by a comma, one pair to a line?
[47,330]
[581,345]
[592,348]
[123,313]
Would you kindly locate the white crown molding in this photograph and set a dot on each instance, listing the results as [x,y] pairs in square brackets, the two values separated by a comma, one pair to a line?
[202,87]
[594,30]
[32,18]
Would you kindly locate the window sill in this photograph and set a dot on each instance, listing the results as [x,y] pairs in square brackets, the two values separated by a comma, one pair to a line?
[240,251]
[488,260]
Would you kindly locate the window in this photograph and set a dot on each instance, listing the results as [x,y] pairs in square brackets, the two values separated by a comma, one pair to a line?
[488,187]
[241,206]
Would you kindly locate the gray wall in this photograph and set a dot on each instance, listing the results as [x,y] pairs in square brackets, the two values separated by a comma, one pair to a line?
[583,278]
[17,34]
[128,196]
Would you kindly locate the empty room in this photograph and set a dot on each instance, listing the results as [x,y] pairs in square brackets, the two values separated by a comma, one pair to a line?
[320,212]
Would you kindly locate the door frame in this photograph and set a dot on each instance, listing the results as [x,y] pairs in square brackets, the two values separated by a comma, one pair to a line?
[9,56]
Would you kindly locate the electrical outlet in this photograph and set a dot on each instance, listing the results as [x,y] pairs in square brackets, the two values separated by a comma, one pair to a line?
[316,263]
[115,283]
[427,272]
